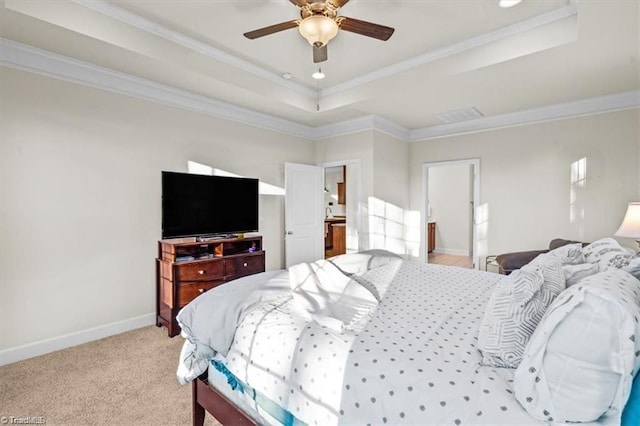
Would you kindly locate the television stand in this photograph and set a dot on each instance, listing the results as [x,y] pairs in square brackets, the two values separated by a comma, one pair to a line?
[187,267]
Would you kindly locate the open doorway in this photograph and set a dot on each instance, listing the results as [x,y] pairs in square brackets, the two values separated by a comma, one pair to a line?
[335,211]
[342,207]
[451,192]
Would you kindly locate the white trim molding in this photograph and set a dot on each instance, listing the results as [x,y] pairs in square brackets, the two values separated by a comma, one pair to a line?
[23,57]
[151,27]
[31,59]
[597,105]
[19,353]
[456,48]
[456,252]
[154,28]
[360,124]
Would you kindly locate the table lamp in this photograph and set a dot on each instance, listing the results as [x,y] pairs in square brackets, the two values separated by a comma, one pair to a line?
[630,227]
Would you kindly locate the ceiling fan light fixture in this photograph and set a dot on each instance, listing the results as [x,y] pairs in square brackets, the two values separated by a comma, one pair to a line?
[508,3]
[318,75]
[318,29]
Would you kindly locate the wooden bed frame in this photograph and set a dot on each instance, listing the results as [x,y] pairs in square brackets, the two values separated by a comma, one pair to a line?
[204,397]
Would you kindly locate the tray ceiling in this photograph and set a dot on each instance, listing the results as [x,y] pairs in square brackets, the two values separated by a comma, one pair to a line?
[444,55]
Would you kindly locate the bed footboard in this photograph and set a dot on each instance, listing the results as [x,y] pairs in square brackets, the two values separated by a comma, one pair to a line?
[204,397]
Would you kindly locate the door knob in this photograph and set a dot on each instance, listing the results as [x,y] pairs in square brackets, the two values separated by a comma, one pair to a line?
[289,232]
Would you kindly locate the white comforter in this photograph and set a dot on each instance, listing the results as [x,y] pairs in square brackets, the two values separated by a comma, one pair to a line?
[408,356]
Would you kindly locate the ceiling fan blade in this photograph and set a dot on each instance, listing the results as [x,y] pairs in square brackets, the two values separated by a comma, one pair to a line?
[319,54]
[300,3]
[338,3]
[261,32]
[366,28]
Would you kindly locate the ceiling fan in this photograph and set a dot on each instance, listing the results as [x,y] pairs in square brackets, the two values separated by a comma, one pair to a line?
[320,22]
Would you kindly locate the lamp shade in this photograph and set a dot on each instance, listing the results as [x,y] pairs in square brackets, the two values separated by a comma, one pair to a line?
[630,227]
[318,29]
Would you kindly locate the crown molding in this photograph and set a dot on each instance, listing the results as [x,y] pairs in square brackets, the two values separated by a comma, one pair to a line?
[122,15]
[360,124]
[26,58]
[137,21]
[31,59]
[453,49]
[597,105]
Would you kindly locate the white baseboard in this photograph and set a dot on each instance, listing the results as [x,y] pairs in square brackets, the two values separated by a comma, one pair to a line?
[457,252]
[30,350]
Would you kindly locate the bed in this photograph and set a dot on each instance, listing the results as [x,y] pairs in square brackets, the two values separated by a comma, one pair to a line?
[370,338]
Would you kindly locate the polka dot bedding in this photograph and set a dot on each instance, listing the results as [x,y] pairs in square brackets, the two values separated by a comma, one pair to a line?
[415,361]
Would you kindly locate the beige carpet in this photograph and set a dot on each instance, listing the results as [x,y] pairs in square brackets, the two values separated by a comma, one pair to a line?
[121,380]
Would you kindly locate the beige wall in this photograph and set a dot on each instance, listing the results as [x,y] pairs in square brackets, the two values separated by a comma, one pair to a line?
[388,226]
[391,176]
[356,147]
[81,193]
[383,181]
[527,196]
[80,190]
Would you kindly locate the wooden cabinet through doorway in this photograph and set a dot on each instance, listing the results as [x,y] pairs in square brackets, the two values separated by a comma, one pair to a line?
[431,236]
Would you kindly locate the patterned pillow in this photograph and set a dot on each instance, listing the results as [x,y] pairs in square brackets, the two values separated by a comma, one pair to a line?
[633,267]
[574,273]
[581,360]
[569,254]
[607,253]
[554,280]
[515,307]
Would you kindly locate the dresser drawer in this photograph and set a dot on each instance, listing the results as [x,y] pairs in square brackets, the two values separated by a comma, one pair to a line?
[200,271]
[245,265]
[188,292]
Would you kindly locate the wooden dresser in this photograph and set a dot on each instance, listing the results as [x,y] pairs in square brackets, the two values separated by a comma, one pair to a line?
[186,268]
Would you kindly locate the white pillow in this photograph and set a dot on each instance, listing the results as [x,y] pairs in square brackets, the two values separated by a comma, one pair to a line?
[515,307]
[580,361]
[607,253]
[368,268]
[329,295]
[574,273]
[633,267]
[363,261]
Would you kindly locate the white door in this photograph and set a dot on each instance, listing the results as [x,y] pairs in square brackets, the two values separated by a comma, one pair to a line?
[303,218]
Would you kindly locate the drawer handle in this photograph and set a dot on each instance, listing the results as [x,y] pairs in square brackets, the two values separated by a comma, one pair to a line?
[201,290]
[244,264]
[201,271]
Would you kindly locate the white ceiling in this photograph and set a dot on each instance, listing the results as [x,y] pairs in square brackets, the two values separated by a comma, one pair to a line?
[445,55]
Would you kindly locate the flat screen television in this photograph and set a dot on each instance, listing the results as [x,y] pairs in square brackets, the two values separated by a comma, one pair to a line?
[203,206]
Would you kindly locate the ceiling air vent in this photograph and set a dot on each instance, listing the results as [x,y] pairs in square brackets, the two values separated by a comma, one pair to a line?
[463,114]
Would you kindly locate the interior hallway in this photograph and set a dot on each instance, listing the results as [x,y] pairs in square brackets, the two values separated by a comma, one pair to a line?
[451,260]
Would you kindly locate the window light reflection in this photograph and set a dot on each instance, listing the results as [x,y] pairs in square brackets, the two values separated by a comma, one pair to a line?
[203,169]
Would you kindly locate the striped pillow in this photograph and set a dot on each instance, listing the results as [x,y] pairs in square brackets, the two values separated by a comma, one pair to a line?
[516,306]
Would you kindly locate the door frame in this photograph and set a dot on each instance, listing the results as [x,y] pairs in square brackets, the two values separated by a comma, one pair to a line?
[353,209]
[475,162]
